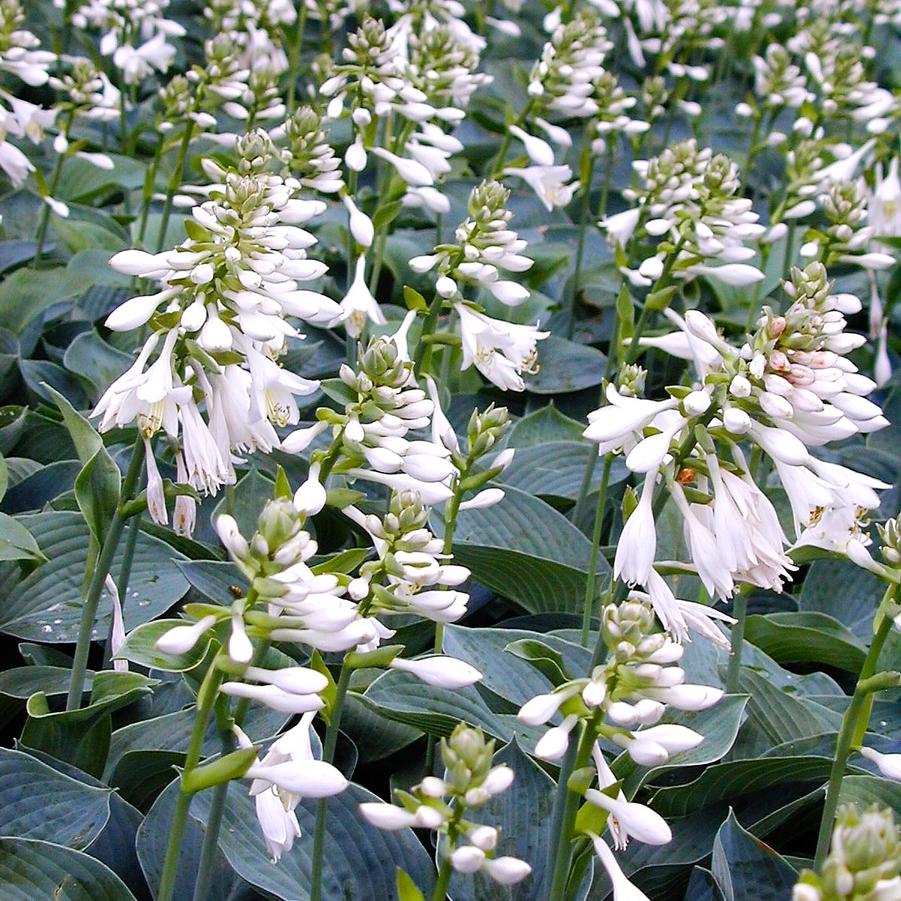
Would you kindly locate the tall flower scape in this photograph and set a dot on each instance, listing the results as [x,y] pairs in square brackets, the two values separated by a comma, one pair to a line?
[449,450]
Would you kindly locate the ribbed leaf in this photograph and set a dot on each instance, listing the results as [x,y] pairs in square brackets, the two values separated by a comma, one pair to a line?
[523,815]
[806,638]
[746,869]
[525,550]
[38,802]
[32,870]
[46,604]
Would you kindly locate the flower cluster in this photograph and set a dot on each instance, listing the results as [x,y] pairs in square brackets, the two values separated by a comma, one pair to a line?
[622,702]
[217,326]
[691,200]
[864,861]
[484,244]
[135,33]
[20,56]
[383,403]
[444,805]
[790,388]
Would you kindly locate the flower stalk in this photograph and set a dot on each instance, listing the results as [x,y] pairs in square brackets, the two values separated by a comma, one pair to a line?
[98,577]
[854,724]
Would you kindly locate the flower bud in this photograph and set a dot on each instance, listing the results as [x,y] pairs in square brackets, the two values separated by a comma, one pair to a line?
[442,672]
[180,639]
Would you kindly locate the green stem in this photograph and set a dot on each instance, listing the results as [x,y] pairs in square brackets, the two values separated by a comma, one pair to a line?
[378,259]
[351,243]
[128,556]
[98,577]
[595,551]
[738,638]
[220,796]
[450,525]
[294,59]
[501,157]
[632,352]
[586,170]
[423,356]
[853,724]
[328,754]
[608,175]
[566,806]
[174,183]
[41,235]
[752,148]
[206,698]
[149,183]
[444,878]
[789,248]
[210,845]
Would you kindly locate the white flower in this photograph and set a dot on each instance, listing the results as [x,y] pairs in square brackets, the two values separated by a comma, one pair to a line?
[637,820]
[501,351]
[609,426]
[360,224]
[686,697]
[312,779]
[488,497]
[541,708]
[553,744]
[654,745]
[540,152]
[293,679]
[274,697]
[506,870]
[387,816]
[359,305]
[735,274]
[623,889]
[442,672]
[180,639]
[551,184]
[889,764]
[117,630]
[310,498]
[638,542]
[411,171]
[287,773]
[156,498]
[843,170]
[621,226]
[884,202]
